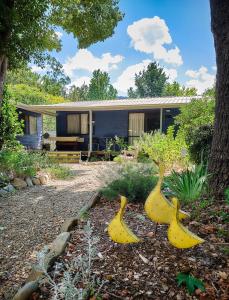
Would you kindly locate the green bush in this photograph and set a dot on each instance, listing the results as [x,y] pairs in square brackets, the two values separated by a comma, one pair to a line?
[199,143]
[166,149]
[135,182]
[22,163]
[188,185]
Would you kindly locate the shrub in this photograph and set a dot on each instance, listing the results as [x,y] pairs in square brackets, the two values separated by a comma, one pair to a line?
[188,185]
[166,149]
[135,181]
[199,142]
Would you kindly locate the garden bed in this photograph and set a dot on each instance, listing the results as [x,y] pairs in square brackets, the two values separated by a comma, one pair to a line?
[148,270]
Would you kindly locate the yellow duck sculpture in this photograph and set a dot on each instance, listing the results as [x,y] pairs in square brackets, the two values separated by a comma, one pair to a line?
[118,231]
[157,207]
[178,235]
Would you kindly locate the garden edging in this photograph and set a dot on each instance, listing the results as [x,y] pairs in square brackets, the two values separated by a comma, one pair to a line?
[55,249]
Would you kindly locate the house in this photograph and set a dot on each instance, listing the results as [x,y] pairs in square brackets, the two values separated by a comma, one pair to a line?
[88,125]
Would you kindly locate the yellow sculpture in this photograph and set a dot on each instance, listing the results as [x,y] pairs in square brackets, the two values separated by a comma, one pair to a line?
[157,207]
[118,231]
[178,235]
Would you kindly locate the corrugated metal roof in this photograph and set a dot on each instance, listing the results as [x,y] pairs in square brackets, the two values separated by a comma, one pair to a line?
[138,103]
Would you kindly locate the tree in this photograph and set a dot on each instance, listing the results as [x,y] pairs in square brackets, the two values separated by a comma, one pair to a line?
[27,28]
[100,87]
[149,82]
[10,127]
[132,93]
[175,89]
[219,157]
[78,93]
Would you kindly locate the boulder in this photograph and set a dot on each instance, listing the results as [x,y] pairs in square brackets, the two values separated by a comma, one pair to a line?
[3,192]
[19,183]
[36,181]
[9,188]
[29,182]
[43,179]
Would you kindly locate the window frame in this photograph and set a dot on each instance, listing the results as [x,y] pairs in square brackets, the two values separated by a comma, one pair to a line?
[80,123]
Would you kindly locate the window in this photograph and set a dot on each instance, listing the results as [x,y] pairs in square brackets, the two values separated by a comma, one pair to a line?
[32,125]
[77,124]
[84,123]
[136,126]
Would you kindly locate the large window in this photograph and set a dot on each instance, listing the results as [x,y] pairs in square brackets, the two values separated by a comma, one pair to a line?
[77,124]
[136,126]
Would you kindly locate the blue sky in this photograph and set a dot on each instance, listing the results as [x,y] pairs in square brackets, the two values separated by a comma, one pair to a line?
[175,33]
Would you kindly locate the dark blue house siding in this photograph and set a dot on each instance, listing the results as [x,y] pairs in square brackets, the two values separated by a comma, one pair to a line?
[31,141]
[108,124]
[168,117]
[61,130]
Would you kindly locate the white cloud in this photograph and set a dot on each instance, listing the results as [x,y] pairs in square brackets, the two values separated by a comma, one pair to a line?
[85,60]
[81,80]
[171,73]
[201,79]
[59,34]
[149,35]
[126,79]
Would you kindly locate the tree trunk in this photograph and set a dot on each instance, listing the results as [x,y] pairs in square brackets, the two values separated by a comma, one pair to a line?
[3,69]
[219,157]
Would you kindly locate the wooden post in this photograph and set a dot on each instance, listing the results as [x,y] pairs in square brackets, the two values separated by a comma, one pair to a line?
[90,130]
[161,119]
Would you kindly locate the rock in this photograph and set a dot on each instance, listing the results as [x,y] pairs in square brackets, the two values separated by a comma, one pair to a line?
[29,182]
[19,183]
[3,192]
[25,292]
[69,224]
[36,181]
[9,188]
[43,179]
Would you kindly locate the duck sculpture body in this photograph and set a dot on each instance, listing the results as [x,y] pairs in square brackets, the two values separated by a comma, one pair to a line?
[118,231]
[178,235]
[157,207]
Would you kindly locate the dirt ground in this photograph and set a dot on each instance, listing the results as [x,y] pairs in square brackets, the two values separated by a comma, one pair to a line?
[31,218]
[148,270]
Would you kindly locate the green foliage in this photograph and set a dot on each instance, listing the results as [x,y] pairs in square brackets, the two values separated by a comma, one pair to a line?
[21,163]
[227,195]
[199,143]
[78,93]
[135,182]
[23,93]
[149,82]
[120,143]
[174,89]
[60,172]
[195,114]
[10,126]
[132,93]
[100,87]
[191,282]
[188,185]
[89,21]
[166,149]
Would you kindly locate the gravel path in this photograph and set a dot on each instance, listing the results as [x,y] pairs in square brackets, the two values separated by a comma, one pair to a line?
[32,218]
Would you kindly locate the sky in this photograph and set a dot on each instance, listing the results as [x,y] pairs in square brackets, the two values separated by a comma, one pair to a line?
[175,33]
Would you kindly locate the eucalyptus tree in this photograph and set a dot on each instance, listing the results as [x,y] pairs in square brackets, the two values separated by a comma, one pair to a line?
[219,158]
[28,28]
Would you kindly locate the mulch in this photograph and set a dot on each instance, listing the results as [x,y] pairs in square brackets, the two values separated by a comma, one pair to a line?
[148,270]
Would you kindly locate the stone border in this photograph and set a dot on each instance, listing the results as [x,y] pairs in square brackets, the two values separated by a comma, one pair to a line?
[55,249]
